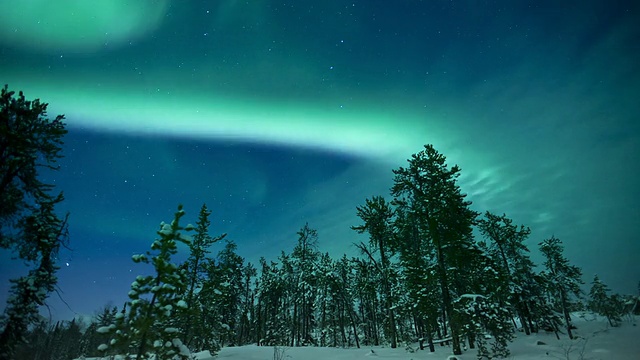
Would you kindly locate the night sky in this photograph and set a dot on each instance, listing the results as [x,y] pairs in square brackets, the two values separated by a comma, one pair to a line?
[279,113]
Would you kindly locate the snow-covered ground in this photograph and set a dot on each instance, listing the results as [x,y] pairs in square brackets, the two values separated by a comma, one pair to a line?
[597,341]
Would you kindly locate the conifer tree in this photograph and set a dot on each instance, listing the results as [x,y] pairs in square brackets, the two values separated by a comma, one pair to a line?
[345,315]
[442,220]
[564,279]
[29,225]
[44,232]
[272,308]
[228,279]
[377,215]
[196,265]
[304,260]
[506,245]
[367,299]
[91,338]
[245,305]
[420,278]
[603,304]
[150,326]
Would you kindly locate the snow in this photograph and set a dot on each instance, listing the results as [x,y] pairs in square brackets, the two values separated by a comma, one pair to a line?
[473,297]
[104,329]
[597,341]
[600,342]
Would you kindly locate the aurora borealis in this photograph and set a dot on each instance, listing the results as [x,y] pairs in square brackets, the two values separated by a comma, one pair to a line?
[277,113]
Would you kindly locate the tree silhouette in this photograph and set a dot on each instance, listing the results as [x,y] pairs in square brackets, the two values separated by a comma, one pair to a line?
[29,225]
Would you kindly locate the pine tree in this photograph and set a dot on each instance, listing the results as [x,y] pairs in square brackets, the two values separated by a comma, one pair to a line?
[603,304]
[377,215]
[482,309]
[150,324]
[271,307]
[45,232]
[420,278]
[29,225]
[245,305]
[304,260]
[564,279]
[230,283]
[442,221]
[91,338]
[368,301]
[196,265]
[506,246]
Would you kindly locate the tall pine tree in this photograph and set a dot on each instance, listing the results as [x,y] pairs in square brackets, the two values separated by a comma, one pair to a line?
[196,265]
[428,191]
[377,215]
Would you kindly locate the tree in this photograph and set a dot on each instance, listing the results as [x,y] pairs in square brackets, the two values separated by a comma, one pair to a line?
[304,258]
[441,219]
[196,265]
[45,231]
[29,225]
[603,304]
[506,246]
[245,304]
[91,338]
[156,302]
[272,305]
[377,215]
[564,279]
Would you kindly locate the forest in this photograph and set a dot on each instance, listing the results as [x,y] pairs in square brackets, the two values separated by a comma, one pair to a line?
[432,274]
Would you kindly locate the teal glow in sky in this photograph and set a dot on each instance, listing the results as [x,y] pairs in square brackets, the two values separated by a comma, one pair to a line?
[78,26]
[276,114]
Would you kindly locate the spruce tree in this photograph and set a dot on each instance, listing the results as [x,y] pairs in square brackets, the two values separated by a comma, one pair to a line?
[156,301]
[245,305]
[196,265]
[45,232]
[506,246]
[29,225]
[304,258]
[603,304]
[377,215]
[228,279]
[563,278]
[442,221]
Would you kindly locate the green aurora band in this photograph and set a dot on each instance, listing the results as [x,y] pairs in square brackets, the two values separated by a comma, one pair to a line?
[78,25]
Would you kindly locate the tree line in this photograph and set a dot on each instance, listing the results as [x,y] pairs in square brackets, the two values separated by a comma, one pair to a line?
[422,277]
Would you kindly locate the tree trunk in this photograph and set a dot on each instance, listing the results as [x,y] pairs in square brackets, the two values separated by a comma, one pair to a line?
[565,311]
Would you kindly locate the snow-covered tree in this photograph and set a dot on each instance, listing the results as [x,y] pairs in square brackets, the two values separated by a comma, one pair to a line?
[505,244]
[441,219]
[91,338]
[151,324]
[603,304]
[196,266]
[272,307]
[227,279]
[564,279]
[377,215]
[246,310]
[487,322]
[304,260]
